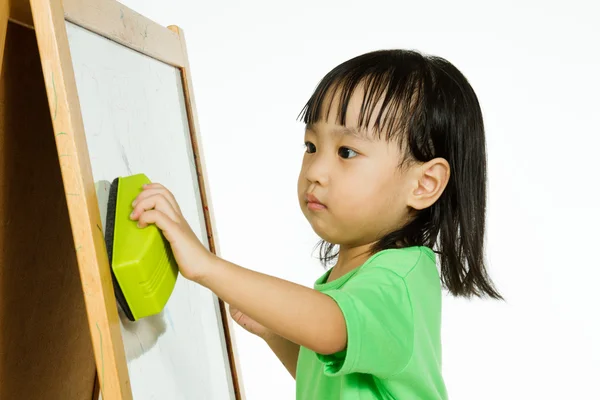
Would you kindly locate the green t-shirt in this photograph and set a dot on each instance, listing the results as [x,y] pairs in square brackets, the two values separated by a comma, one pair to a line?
[392,307]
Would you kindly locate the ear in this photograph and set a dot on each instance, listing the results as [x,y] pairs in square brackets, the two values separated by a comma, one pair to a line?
[430,181]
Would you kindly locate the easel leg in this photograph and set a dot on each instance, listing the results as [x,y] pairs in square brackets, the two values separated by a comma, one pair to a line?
[4,9]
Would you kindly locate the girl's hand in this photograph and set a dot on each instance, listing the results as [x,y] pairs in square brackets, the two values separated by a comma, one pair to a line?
[249,324]
[156,205]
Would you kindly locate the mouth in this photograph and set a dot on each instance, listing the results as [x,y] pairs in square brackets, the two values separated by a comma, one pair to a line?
[313,203]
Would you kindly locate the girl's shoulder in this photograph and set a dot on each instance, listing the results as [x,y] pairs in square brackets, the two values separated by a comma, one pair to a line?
[401,261]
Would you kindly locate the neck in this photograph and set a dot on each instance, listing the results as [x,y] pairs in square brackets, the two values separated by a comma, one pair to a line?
[351,257]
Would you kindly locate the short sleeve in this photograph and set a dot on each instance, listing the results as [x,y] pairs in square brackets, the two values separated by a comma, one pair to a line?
[379,321]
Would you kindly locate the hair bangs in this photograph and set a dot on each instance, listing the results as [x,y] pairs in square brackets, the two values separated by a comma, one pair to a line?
[390,89]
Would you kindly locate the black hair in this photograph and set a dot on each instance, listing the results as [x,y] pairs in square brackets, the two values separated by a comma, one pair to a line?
[431,110]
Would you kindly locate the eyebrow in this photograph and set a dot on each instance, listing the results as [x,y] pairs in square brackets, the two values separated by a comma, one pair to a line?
[345,131]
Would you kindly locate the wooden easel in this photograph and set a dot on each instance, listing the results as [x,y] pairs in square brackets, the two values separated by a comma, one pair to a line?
[59,328]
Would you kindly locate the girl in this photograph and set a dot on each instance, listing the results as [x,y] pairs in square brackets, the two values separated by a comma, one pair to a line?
[395,167]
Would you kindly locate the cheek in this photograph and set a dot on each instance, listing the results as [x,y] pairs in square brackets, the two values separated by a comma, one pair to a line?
[364,191]
[370,200]
[301,184]
[301,173]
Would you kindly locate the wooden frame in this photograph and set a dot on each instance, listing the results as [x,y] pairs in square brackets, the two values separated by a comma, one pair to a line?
[116,22]
[4,10]
[44,334]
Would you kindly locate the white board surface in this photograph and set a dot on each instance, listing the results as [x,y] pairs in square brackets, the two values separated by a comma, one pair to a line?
[135,122]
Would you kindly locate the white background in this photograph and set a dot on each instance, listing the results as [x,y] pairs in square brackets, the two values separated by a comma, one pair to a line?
[535,67]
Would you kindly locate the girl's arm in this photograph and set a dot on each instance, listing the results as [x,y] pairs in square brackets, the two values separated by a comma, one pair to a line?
[302,315]
[286,351]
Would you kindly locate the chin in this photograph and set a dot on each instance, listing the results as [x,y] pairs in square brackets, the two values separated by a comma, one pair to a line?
[322,231]
[321,223]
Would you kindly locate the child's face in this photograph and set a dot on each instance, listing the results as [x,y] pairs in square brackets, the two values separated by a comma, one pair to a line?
[357,179]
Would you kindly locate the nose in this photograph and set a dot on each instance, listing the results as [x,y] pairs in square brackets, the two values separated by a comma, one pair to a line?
[317,169]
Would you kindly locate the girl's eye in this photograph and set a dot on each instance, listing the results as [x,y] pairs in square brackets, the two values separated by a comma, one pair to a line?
[345,152]
[310,148]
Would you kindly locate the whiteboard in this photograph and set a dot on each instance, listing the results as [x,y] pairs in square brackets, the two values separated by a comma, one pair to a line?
[135,121]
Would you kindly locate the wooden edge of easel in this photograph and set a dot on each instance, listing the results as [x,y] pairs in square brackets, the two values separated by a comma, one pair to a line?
[110,19]
[20,13]
[207,203]
[84,213]
[4,13]
[113,20]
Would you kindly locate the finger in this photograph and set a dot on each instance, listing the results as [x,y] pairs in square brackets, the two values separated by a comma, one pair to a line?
[233,311]
[156,188]
[237,316]
[158,218]
[156,202]
[157,191]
